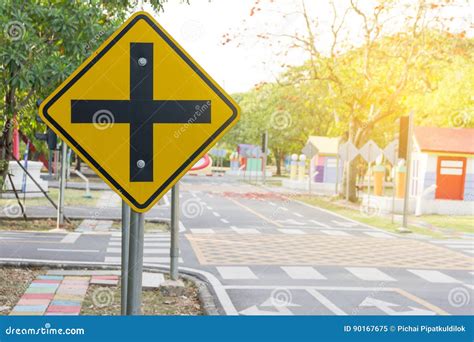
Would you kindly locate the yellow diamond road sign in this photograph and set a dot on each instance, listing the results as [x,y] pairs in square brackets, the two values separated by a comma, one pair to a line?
[140,111]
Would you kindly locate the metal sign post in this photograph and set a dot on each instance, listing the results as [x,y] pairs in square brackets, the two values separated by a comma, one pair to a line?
[265,151]
[174,247]
[408,170]
[62,184]
[125,255]
[135,263]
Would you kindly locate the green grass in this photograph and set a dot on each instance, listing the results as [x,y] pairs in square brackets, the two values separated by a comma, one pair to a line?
[72,198]
[458,223]
[377,221]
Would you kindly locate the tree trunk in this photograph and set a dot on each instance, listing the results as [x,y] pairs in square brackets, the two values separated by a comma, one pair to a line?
[352,182]
[6,149]
[6,138]
[278,161]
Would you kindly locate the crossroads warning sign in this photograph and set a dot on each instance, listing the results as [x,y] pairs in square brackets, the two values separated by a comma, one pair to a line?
[140,111]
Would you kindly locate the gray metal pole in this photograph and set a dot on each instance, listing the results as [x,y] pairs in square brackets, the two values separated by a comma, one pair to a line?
[135,263]
[408,170]
[348,171]
[125,255]
[62,183]
[174,248]
[264,168]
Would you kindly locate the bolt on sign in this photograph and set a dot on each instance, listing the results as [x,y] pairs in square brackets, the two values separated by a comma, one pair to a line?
[140,111]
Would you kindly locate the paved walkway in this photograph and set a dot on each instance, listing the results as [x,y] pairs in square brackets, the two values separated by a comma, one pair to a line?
[57,294]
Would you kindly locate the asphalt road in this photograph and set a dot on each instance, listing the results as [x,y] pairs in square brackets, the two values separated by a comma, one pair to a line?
[263,253]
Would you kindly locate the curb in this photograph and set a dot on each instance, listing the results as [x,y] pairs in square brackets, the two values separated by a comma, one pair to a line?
[204,294]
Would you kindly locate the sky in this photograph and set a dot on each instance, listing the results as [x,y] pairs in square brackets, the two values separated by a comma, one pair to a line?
[202,27]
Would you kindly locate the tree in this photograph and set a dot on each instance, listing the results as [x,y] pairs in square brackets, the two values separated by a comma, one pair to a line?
[371,75]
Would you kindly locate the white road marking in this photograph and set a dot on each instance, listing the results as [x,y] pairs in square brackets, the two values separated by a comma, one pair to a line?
[69,250]
[292,231]
[71,238]
[148,238]
[236,272]
[450,242]
[282,208]
[202,231]
[149,260]
[326,302]
[147,244]
[320,223]
[209,207]
[347,224]
[224,220]
[157,239]
[216,214]
[469,286]
[245,230]
[379,235]
[298,214]
[468,247]
[434,276]
[271,203]
[335,232]
[302,272]
[145,251]
[369,273]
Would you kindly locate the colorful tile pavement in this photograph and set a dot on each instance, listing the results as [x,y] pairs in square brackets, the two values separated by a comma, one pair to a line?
[57,295]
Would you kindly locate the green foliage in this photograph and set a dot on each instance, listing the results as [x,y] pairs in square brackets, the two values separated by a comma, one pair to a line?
[438,89]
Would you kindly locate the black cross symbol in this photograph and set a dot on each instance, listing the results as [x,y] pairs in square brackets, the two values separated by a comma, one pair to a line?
[141,112]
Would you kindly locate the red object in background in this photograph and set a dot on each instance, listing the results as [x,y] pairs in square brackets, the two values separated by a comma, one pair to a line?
[202,163]
[16,144]
[41,157]
[450,177]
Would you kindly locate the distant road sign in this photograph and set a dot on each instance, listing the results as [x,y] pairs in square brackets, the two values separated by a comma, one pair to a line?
[370,151]
[140,111]
[390,152]
[347,151]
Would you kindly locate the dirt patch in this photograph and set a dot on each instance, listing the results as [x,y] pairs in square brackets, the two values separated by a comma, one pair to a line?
[13,283]
[37,225]
[105,301]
